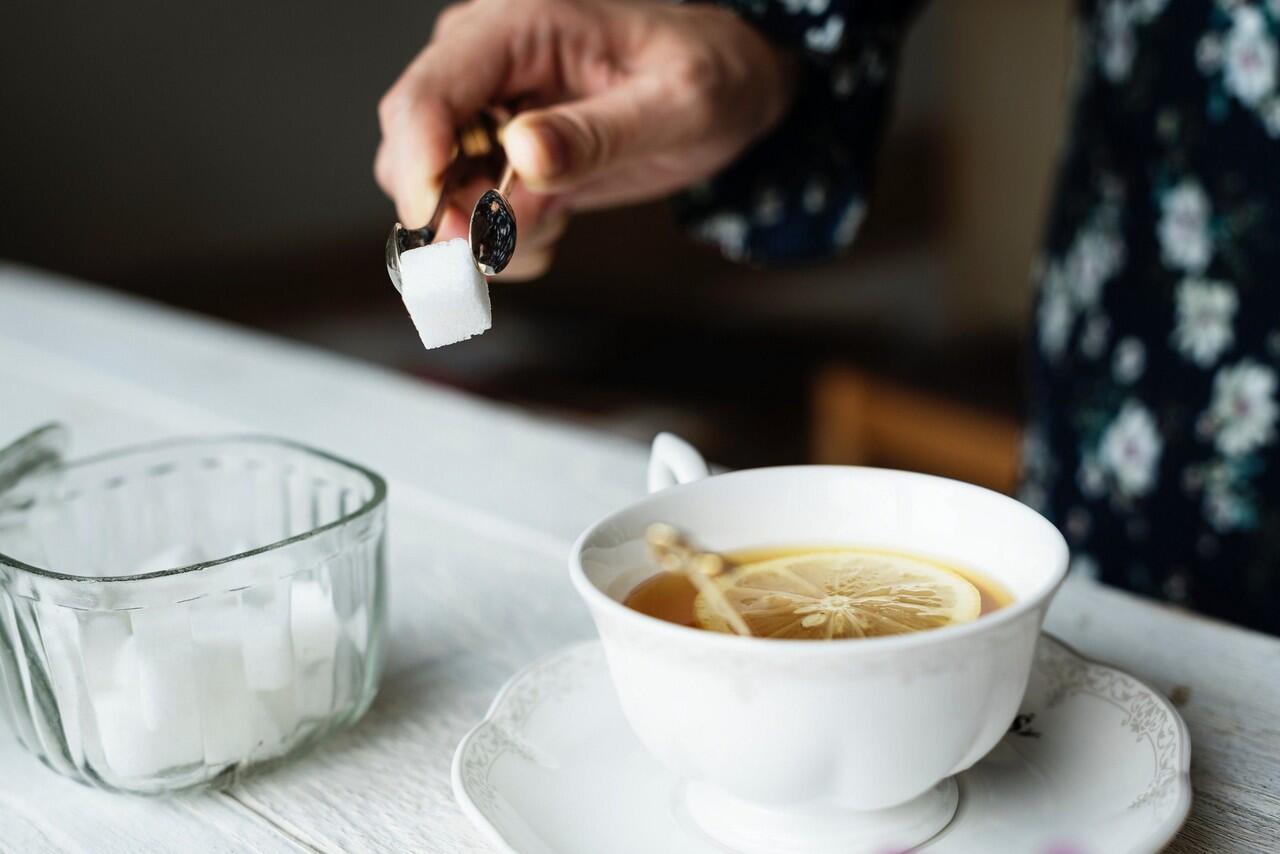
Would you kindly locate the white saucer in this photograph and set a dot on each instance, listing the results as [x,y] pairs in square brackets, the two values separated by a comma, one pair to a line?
[1096,761]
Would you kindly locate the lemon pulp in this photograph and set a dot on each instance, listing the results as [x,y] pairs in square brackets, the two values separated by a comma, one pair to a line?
[831,595]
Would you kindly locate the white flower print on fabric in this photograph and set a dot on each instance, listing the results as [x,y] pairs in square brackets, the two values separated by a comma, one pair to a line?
[727,231]
[1270,112]
[1038,469]
[1242,414]
[769,208]
[1078,523]
[849,223]
[811,7]
[1175,587]
[1093,341]
[1209,53]
[1205,310]
[825,39]
[1129,360]
[1249,56]
[1083,566]
[1242,60]
[1094,258]
[1091,479]
[1117,43]
[1055,314]
[1227,495]
[1130,450]
[1185,241]
[1225,510]
[815,197]
[844,80]
[1073,284]
[874,65]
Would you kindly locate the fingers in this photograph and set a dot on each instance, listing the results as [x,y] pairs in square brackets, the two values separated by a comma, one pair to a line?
[420,114]
[411,159]
[535,251]
[557,148]
[486,52]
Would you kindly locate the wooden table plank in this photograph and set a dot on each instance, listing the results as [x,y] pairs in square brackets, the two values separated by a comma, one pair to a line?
[42,813]
[485,502]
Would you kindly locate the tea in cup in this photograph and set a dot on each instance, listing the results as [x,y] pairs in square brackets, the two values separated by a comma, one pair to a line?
[787,744]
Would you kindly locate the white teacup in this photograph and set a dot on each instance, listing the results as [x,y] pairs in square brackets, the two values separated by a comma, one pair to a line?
[810,746]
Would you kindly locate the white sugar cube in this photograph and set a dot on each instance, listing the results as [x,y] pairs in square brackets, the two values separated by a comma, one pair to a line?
[131,750]
[446,295]
[313,622]
[146,726]
[215,620]
[265,640]
[357,626]
[315,629]
[314,690]
[227,725]
[274,719]
[167,675]
[103,635]
[60,634]
[226,719]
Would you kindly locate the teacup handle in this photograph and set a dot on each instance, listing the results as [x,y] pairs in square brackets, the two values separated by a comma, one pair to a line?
[673,461]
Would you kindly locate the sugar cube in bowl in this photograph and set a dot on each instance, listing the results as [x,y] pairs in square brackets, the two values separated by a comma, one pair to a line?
[189,611]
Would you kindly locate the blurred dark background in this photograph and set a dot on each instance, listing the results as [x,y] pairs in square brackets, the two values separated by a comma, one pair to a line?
[218,157]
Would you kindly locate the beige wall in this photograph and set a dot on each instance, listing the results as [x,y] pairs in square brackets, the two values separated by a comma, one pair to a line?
[1004,72]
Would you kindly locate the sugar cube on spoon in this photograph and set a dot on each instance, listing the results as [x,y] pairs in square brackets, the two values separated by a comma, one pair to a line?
[446,295]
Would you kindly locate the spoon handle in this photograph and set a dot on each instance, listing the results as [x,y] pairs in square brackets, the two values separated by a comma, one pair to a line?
[508,180]
[673,552]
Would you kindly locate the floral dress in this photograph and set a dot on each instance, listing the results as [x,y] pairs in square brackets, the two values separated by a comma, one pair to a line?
[1151,438]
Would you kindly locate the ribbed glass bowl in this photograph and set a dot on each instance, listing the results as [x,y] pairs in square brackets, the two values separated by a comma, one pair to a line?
[174,615]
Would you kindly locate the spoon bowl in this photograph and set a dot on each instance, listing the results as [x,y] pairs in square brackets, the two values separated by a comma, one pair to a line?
[493,231]
[493,221]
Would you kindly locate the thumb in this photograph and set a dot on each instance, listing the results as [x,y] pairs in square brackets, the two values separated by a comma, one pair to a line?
[561,147]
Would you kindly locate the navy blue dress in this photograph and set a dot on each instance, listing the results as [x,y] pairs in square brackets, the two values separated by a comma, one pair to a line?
[1151,439]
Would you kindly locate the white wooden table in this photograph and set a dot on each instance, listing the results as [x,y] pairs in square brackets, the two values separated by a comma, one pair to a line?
[484,504]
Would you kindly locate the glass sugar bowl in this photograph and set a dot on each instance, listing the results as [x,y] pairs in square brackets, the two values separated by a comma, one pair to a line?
[175,614]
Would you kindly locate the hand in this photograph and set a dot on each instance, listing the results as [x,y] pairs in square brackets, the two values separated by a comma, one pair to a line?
[622,101]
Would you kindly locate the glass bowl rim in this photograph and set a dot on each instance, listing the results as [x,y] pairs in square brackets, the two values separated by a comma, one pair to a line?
[376,500]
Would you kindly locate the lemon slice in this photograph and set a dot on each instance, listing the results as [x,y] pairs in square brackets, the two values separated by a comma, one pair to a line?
[827,595]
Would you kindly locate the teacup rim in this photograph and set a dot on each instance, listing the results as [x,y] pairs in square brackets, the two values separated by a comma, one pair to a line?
[597,598]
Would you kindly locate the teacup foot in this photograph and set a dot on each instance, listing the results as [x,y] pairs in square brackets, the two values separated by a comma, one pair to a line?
[753,829]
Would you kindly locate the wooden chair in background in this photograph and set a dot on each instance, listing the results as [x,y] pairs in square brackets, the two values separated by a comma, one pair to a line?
[859,419]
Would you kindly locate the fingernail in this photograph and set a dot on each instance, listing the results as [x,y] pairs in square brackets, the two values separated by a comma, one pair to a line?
[537,151]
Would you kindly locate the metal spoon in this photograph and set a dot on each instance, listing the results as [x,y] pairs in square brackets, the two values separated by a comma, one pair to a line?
[493,222]
[493,227]
[403,239]
[673,551]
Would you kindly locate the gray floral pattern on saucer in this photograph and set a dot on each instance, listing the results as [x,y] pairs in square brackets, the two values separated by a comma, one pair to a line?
[1094,761]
